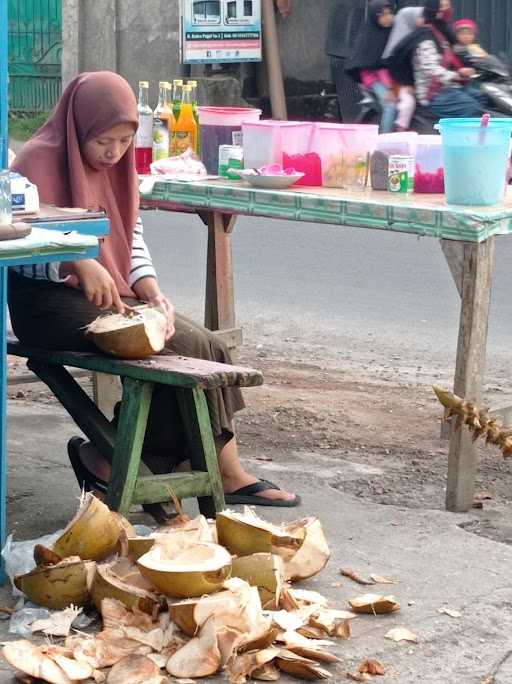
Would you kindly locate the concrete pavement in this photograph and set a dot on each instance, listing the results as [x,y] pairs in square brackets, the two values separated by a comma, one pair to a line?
[436,562]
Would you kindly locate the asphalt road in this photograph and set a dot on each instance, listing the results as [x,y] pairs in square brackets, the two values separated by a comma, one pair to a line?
[364,294]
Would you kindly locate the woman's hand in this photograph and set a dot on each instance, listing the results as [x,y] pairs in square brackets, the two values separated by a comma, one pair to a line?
[98,285]
[148,290]
[466,72]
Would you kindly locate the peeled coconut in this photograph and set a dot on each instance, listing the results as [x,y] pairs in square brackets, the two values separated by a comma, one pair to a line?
[92,534]
[243,534]
[198,569]
[264,571]
[134,336]
[58,586]
[123,581]
[313,554]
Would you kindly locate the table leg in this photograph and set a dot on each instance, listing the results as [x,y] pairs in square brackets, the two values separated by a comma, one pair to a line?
[220,295]
[3,409]
[475,289]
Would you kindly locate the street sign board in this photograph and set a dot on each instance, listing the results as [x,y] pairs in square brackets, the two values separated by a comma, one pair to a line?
[216,31]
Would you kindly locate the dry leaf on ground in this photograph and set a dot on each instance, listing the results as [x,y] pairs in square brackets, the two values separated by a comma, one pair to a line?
[401,634]
[351,574]
[382,579]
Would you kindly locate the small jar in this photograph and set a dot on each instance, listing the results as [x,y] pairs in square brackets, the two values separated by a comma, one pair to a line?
[5,198]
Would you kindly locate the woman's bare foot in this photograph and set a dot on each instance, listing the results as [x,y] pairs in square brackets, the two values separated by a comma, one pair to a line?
[234,477]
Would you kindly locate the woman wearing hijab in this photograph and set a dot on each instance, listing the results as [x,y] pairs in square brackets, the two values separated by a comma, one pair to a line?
[426,60]
[84,157]
[366,64]
[406,22]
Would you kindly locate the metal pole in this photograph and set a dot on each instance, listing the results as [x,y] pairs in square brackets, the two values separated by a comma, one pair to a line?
[4,84]
[273,61]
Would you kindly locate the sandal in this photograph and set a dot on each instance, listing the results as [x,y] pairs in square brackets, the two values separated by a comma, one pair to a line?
[248,495]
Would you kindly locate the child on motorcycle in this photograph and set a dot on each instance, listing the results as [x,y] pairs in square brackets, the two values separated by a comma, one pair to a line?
[466,47]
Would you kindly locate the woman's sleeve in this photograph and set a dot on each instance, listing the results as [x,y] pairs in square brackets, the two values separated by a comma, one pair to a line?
[49,271]
[142,263]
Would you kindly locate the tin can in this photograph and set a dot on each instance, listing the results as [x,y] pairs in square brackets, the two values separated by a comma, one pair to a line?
[230,157]
[401,173]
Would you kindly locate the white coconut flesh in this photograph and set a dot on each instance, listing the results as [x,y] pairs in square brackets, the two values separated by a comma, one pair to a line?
[196,558]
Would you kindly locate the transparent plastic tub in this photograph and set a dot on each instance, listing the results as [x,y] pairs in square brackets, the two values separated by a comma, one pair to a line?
[262,142]
[475,160]
[429,171]
[222,126]
[387,145]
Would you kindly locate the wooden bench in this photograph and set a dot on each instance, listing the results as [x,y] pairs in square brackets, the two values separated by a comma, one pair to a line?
[132,482]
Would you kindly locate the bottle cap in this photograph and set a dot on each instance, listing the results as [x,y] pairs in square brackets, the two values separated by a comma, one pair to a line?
[143,84]
[192,83]
[178,81]
[162,84]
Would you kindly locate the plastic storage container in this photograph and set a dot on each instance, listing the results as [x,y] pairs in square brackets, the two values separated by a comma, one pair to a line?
[387,145]
[222,126]
[298,153]
[429,171]
[331,141]
[475,160]
[262,142]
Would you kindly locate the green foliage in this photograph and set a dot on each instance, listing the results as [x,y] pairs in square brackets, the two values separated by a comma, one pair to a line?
[23,127]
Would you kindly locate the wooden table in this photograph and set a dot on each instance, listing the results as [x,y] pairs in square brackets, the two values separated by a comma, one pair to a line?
[467,240]
[50,240]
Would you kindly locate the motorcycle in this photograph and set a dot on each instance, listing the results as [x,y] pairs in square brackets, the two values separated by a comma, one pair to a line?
[493,78]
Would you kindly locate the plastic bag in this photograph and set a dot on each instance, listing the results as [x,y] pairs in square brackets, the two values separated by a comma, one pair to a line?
[18,556]
[23,618]
[186,164]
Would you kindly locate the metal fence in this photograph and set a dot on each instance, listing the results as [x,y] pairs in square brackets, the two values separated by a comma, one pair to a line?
[35,51]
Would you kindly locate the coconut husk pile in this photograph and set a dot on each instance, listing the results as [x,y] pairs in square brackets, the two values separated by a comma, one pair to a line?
[191,600]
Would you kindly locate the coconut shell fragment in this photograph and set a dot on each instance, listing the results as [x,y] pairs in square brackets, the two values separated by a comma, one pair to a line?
[374,604]
[130,336]
[264,571]
[93,533]
[200,657]
[123,581]
[302,668]
[32,660]
[135,669]
[313,555]
[243,534]
[58,586]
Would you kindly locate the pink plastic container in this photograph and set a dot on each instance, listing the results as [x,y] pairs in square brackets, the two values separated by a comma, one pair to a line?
[222,126]
[298,152]
[340,146]
[429,173]
[262,141]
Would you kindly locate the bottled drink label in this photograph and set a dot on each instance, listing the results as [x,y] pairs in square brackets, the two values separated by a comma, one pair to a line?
[160,139]
[181,142]
[144,136]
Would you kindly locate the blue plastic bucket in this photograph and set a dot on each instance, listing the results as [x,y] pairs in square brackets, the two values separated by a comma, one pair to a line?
[475,160]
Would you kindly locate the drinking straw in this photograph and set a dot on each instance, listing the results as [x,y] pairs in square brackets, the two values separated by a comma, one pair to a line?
[484,124]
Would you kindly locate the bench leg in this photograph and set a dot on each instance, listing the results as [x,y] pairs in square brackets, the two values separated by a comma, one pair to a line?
[128,448]
[194,410]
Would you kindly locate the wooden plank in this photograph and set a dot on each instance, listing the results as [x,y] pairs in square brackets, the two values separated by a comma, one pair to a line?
[128,449]
[178,371]
[107,392]
[470,367]
[194,410]
[454,254]
[184,485]
[232,338]
[220,295]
